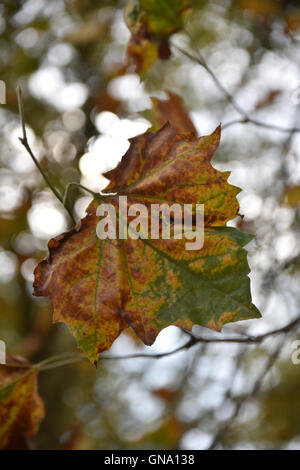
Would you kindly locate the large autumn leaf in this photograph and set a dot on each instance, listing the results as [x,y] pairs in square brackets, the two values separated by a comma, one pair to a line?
[151,22]
[21,407]
[99,287]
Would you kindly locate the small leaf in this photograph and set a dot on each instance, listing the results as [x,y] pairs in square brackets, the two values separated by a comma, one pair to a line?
[21,407]
[151,23]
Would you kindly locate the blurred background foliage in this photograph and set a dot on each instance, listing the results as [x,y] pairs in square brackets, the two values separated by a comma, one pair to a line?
[81,106]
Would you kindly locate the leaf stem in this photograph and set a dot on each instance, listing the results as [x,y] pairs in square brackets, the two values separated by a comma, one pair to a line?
[78,185]
[25,143]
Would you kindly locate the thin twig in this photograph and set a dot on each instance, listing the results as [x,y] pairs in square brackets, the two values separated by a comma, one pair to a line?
[241,401]
[246,119]
[201,61]
[25,143]
[65,359]
[68,358]
[248,339]
[186,345]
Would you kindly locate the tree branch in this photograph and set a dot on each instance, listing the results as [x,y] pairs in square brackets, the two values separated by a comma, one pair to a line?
[242,400]
[70,358]
[246,119]
[25,143]
[248,339]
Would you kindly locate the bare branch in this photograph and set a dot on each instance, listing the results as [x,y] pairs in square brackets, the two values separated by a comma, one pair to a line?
[201,61]
[255,122]
[25,143]
[70,358]
[246,119]
[247,339]
[241,401]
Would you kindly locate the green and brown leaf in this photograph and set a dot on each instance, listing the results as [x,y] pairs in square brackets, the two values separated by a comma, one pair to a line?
[99,287]
[21,407]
